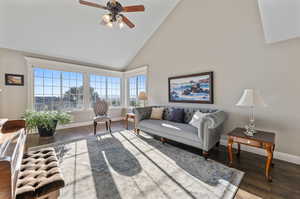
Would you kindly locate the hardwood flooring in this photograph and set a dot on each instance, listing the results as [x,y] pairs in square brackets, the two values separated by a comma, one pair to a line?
[286,176]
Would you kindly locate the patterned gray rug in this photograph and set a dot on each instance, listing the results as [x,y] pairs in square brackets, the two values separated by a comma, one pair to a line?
[128,166]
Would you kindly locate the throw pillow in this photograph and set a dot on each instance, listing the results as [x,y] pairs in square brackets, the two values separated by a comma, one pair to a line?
[197,119]
[157,113]
[177,115]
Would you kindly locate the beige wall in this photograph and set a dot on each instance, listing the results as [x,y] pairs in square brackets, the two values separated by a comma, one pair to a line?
[13,99]
[226,37]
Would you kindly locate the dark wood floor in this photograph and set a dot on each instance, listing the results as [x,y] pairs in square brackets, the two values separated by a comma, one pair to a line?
[286,176]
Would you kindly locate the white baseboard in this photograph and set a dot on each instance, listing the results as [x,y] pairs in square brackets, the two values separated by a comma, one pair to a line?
[277,155]
[79,124]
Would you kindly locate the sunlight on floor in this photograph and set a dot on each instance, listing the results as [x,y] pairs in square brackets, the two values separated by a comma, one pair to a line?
[124,165]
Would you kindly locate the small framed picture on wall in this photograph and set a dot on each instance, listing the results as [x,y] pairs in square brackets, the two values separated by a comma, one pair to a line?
[14,80]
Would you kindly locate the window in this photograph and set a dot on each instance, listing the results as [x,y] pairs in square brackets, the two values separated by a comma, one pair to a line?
[136,85]
[105,87]
[57,90]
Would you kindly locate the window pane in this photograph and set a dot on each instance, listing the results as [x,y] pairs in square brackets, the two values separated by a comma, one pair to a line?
[57,90]
[136,85]
[38,72]
[38,81]
[47,73]
[105,87]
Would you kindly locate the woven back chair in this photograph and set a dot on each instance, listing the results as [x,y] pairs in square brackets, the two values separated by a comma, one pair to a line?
[101,109]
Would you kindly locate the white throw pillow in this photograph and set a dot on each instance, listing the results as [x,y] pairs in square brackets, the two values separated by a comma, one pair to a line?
[157,113]
[197,119]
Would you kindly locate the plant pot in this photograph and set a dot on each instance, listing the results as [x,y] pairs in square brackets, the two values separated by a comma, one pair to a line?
[47,132]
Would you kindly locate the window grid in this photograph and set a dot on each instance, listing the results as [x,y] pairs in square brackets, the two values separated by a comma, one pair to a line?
[105,87]
[57,90]
[136,85]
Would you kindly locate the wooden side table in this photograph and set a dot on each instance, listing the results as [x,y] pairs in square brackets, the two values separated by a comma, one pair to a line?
[130,116]
[264,140]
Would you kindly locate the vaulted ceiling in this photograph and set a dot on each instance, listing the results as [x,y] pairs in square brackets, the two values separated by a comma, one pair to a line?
[68,30]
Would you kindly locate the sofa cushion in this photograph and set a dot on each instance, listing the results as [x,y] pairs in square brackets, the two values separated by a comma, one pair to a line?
[172,128]
[157,113]
[197,119]
[167,114]
[189,113]
[176,115]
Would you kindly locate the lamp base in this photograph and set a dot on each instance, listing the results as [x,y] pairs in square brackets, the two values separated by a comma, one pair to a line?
[250,133]
[250,129]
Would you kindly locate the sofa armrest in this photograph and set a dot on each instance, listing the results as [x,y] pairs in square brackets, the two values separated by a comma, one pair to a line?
[211,128]
[214,120]
[142,113]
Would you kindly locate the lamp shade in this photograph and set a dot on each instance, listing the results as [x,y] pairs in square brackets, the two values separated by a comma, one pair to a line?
[143,95]
[251,98]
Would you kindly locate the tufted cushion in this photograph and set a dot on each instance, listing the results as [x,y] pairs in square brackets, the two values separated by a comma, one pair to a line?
[39,174]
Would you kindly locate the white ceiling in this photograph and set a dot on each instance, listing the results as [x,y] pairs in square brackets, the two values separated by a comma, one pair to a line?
[66,29]
[281,19]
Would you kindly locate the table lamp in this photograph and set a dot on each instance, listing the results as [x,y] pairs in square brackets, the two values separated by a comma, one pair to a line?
[143,97]
[251,99]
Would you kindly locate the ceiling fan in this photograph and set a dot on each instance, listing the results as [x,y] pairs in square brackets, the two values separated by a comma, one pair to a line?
[115,12]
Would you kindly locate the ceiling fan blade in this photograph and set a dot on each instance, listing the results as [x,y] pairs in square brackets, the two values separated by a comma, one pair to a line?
[127,22]
[137,8]
[95,5]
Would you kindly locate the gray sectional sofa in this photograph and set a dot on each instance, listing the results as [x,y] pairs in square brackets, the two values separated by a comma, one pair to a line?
[205,137]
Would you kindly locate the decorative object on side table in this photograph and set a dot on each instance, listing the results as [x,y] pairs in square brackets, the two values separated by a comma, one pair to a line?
[128,117]
[251,99]
[45,121]
[14,80]
[195,88]
[264,140]
[143,97]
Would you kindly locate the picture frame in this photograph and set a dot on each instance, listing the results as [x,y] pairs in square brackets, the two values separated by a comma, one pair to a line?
[193,88]
[14,80]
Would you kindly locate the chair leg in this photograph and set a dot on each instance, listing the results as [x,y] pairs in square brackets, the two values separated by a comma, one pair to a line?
[106,125]
[137,131]
[95,128]
[109,126]
[205,154]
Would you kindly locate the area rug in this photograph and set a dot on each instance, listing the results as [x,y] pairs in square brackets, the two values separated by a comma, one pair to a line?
[126,166]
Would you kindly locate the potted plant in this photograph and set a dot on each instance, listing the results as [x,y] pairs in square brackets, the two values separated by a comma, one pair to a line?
[45,121]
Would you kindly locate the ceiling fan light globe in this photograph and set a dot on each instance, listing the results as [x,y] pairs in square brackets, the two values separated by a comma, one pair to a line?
[110,24]
[121,25]
[106,18]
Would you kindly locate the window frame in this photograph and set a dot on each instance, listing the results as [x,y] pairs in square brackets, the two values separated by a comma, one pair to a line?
[136,88]
[133,73]
[61,87]
[106,88]
[66,67]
